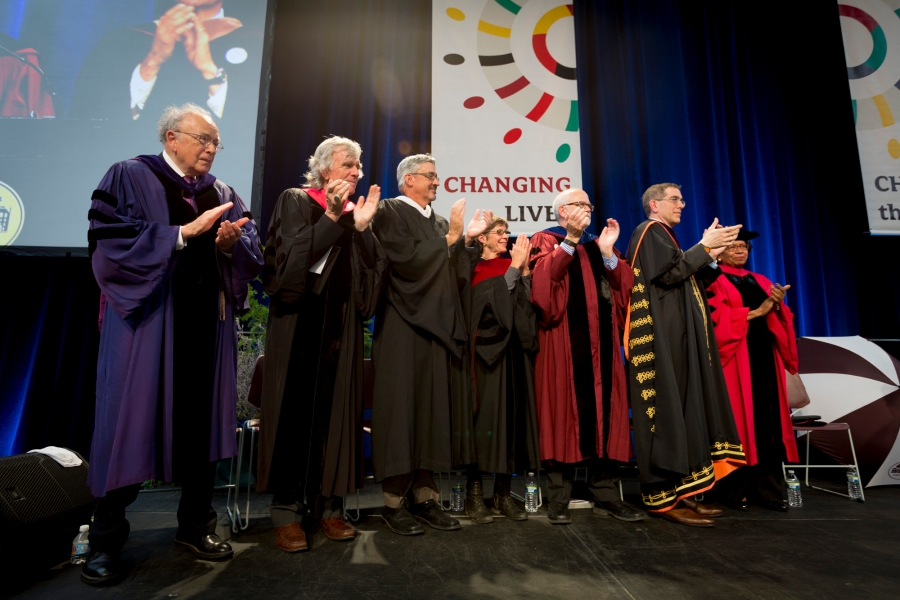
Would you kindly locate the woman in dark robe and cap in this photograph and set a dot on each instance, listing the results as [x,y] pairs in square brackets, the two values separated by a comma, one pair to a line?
[756,339]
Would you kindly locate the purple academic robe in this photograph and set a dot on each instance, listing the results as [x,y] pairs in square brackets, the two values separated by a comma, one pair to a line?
[133,260]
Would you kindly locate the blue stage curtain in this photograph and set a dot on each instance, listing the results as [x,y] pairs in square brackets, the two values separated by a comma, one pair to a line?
[747,106]
[356,69]
[48,360]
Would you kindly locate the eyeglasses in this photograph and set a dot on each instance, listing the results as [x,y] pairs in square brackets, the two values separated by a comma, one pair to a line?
[204,140]
[739,246]
[585,205]
[428,176]
[674,200]
[499,232]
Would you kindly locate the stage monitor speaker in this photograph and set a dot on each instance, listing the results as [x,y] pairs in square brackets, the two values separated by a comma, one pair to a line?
[42,504]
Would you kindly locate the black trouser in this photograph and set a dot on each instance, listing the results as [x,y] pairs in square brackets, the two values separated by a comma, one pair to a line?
[603,480]
[760,483]
[196,516]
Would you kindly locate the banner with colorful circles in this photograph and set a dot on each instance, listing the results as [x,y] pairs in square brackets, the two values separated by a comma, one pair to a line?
[871,34]
[505,107]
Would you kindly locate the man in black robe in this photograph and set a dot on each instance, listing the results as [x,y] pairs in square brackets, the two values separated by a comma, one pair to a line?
[684,432]
[323,272]
[420,333]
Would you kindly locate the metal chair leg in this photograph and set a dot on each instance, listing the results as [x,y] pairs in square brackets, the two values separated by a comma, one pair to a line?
[246,523]
[347,514]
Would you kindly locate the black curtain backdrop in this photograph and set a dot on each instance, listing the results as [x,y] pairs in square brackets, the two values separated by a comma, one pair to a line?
[48,361]
[726,98]
[356,69]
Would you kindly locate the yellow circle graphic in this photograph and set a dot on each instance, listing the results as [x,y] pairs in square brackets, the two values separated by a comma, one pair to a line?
[894,148]
[12,215]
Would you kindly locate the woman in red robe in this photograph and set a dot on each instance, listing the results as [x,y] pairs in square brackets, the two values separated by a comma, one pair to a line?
[755,333]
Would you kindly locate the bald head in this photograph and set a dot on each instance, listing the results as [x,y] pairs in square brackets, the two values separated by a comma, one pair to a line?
[570,196]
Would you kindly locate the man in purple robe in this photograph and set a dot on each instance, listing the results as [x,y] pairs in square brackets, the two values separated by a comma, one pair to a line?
[172,250]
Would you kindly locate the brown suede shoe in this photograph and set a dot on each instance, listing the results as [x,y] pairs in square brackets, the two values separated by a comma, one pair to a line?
[685,516]
[337,529]
[701,509]
[291,538]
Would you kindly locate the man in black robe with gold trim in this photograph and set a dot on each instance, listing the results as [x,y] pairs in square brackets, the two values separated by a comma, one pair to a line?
[684,432]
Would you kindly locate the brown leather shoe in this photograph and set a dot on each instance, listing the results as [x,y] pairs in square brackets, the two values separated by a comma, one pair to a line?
[702,509]
[685,516]
[337,529]
[291,538]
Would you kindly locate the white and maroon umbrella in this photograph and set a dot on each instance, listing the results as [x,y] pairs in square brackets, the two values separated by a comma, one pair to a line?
[851,380]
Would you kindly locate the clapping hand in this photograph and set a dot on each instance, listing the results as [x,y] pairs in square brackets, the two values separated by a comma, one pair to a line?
[336,194]
[521,252]
[577,220]
[479,223]
[716,236]
[608,238]
[457,214]
[365,208]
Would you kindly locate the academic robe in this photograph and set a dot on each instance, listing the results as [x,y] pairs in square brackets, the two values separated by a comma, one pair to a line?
[580,383]
[417,350]
[132,241]
[733,330]
[312,396]
[500,355]
[684,433]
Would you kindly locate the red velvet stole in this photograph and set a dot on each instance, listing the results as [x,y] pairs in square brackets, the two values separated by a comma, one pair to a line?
[494,267]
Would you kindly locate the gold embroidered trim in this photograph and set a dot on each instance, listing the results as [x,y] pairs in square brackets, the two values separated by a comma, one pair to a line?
[693,480]
[653,429]
[648,320]
[641,340]
[641,304]
[637,272]
[645,375]
[647,394]
[642,358]
[651,411]
[639,287]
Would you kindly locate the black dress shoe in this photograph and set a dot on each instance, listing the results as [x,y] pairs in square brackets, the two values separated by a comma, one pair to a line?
[779,506]
[208,547]
[102,568]
[431,514]
[558,513]
[741,504]
[620,510]
[400,521]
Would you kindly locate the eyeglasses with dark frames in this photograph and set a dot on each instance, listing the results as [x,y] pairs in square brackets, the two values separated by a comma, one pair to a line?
[204,140]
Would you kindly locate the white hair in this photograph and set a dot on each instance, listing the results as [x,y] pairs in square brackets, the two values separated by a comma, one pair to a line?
[409,165]
[563,199]
[322,160]
[174,115]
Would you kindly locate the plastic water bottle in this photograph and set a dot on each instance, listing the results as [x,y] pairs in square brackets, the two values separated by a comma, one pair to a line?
[80,546]
[531,493]
[795,499]
[457,493]
[853,487]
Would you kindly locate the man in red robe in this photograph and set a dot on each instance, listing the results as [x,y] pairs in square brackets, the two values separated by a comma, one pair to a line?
[580,292]
[755,333]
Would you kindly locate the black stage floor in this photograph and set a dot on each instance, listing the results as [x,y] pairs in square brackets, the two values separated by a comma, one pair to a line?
[831,548]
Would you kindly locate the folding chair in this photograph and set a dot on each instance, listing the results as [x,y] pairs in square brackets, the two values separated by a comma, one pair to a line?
[826,427]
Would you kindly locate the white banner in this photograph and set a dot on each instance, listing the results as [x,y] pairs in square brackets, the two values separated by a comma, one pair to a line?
[504,125]
[871,33]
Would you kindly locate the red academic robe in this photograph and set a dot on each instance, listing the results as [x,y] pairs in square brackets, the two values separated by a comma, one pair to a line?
[557,407]
[730,320]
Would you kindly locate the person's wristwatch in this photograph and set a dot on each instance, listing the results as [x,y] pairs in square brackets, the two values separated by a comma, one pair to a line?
[569,242]
[221,77]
